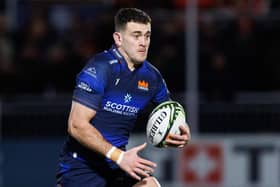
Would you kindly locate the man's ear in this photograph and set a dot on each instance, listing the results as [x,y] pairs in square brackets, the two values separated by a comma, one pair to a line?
[117,38]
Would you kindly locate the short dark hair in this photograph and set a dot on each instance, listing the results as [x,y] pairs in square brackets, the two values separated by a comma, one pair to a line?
[125,15]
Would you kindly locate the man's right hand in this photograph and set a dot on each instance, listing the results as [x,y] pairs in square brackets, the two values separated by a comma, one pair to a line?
[136,166]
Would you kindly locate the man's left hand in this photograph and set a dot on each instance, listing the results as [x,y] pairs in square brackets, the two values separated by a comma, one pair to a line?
[179,140]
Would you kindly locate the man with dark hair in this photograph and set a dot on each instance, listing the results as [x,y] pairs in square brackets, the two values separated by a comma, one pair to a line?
[110,91]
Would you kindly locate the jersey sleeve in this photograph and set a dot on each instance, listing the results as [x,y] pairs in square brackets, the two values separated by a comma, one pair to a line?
[162,92]
[90,84]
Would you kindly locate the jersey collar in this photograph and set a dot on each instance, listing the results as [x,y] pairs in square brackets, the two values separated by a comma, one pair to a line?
[120,57]
[117,54]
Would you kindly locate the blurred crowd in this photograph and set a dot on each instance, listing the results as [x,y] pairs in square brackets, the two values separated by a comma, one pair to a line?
[237,49]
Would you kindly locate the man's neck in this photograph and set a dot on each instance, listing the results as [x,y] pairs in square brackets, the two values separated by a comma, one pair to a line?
[131,66]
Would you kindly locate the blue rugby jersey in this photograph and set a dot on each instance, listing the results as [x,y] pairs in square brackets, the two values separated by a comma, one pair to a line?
[117,94]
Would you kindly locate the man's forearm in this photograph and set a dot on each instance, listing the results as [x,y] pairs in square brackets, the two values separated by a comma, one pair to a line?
[90,137]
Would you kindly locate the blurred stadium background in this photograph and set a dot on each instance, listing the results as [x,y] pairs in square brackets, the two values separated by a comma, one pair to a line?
[220,58]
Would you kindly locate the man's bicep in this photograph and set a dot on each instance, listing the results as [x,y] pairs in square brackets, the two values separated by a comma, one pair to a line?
[80,113]
[80,128]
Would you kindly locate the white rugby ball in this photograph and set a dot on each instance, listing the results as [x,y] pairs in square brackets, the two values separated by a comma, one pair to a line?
[163,120]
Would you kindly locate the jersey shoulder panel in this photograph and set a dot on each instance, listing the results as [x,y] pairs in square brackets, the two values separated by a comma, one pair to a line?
[102,60]
[92,80]
[154,70]
[96,73]
[162,92]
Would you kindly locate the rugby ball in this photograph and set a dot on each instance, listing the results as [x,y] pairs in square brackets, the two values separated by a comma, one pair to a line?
[163,120]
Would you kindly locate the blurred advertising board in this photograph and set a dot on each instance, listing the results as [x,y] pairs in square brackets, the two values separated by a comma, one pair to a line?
[222,161]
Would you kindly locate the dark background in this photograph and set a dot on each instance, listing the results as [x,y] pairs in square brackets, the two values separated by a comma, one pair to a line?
[44,44]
